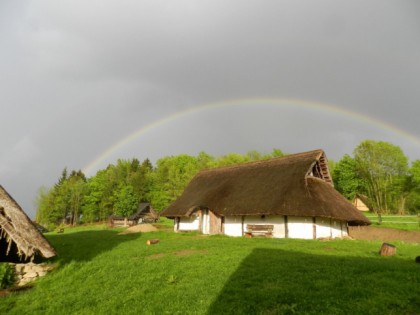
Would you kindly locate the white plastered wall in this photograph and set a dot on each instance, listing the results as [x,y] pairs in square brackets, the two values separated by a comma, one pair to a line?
[233,226]
[205,222]
[323,228]
[300,227]
[338,229]
[279,230]
[189,223]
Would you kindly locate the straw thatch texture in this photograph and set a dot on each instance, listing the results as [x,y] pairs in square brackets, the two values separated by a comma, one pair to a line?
[18,229]
[279,186]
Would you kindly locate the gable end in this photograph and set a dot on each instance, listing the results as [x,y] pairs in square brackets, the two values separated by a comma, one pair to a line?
[320,169]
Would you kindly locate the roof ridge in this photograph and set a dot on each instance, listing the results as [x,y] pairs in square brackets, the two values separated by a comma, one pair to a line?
[252,163]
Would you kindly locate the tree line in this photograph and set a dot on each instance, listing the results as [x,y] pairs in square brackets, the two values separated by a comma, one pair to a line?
[118,189]
[379,170]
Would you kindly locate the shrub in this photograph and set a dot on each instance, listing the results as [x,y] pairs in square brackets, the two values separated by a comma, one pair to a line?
[6,275]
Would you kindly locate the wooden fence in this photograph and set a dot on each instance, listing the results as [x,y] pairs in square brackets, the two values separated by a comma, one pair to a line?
[396,219]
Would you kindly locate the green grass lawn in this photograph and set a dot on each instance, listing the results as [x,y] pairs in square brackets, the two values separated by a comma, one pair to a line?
[407,223]
[101,272]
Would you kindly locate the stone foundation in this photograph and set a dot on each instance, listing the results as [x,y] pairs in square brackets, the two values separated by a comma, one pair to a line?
[25,273]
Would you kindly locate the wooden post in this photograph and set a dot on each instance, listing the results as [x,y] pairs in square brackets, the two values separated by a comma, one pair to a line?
[314,228]
[387,250]
[152,241]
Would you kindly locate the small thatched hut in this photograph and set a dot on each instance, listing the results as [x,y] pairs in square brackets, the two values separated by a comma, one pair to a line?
[144,214]
[20,240]
[362,203]
[291,196]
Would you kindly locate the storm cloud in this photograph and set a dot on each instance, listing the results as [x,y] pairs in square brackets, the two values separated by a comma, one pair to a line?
[77,77]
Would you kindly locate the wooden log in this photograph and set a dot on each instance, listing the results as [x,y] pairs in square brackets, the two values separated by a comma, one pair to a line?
[387,250]
[152,241]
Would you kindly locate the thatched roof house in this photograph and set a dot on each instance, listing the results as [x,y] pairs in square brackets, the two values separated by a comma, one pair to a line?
[20,240]
[290,190]
[145,213]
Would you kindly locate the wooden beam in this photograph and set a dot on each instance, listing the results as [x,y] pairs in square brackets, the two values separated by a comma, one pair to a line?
[314,228]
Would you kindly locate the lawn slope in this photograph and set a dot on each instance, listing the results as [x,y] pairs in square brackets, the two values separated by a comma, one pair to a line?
[101,272]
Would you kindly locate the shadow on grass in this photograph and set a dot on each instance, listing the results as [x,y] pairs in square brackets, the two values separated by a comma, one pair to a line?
[85,245]
[271,281]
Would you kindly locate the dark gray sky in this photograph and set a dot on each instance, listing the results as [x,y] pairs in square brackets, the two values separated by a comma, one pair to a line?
[77,77]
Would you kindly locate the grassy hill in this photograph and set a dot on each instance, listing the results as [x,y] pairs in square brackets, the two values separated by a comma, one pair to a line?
[101,272]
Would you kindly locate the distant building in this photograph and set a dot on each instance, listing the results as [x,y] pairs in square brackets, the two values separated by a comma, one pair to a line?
[361,202]
[144,214]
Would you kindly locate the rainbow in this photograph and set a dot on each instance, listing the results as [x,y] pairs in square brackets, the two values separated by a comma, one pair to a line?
[242,102]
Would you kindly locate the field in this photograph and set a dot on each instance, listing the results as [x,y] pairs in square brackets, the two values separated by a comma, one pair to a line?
[406,222]
[101,272]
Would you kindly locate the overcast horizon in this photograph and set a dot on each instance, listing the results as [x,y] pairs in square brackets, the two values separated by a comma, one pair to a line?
[84,83]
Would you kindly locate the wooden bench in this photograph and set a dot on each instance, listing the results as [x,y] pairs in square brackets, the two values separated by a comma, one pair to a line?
[259,230]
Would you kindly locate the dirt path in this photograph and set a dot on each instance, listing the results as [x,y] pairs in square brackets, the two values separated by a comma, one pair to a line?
[139,228]
[383,234]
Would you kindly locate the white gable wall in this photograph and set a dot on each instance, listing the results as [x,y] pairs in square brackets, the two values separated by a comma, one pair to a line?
[189,223]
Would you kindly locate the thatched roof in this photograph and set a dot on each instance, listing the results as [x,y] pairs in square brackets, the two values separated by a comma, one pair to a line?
[19,231]
[365,199]
[294,185]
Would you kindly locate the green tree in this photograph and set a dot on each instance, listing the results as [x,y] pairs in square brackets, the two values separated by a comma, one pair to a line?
[232,158]
[126,202]
[138,178]
[277,153]
[415,174]
[171,176]
[413,198]
[59,199]
[346,179]
[43,204]
[381,165]
[99,199]
[76,185]
[205,160]
[254,155]
[64,200]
